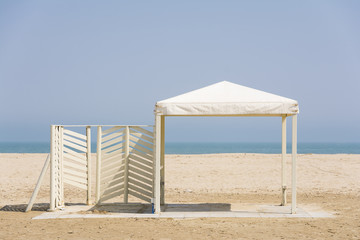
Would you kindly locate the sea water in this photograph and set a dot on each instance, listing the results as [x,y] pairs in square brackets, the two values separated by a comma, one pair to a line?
[205,147]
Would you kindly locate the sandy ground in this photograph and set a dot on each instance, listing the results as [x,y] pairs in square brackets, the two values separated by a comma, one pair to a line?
[327,181]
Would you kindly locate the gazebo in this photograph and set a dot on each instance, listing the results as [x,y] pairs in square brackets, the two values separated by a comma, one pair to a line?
[225,99]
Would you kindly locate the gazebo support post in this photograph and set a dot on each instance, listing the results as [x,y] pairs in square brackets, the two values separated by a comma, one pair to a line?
[294,152]
[157,162]
[162,162]
[283,161]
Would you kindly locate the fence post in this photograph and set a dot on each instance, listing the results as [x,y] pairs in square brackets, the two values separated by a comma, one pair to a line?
[98,164]
[88,158]
[61,166]
[126,162]
[52,168]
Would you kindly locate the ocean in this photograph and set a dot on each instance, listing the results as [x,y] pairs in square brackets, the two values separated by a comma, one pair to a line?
[204,147]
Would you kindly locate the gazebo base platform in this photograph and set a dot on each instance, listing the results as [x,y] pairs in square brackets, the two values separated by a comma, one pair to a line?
[189,210]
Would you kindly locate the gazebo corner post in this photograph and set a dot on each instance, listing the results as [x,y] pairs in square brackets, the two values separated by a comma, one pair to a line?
[162,162]
[157,185]
[283,160]
[294,153]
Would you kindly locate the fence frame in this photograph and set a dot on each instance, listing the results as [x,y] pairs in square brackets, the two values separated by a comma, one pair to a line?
[57,200]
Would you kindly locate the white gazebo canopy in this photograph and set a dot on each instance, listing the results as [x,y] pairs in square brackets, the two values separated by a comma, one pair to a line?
[224,99]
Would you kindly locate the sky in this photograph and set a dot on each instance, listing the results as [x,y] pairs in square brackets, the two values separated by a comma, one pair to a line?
[108,62]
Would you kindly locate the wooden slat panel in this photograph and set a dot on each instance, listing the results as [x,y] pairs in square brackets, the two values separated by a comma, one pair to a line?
[74,140]
[74,134]
[113,129]
[140,184]
[143,155]
[141,173]
[138,147]
[140,190]
[141,160]
[140,178]
[114,165]
[75,179]
[118,159]
[108,156]
[75,166]
[76,173]
[112,189]
[114,171]
[76,154]
[135,194]
[78,160]
[77,147]
[112,183]
[111,136]
[139,141]
[114,194]
[140,129]
[75,184]
[111,142]
[109,178]
[142,167]
[111,149]
[142,136]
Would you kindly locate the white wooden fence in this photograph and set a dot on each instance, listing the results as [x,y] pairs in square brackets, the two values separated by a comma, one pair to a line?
[124,166]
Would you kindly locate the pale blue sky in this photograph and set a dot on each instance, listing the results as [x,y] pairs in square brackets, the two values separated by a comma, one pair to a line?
[108,62]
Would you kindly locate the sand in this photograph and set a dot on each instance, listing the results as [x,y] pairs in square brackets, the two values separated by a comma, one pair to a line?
[330,182]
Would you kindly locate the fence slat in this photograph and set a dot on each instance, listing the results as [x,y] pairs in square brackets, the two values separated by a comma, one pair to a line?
[114,170]
[76,154]
[143,130]
[111,142]
[76,173]
[114,194]
[106,170]
[141,167]
[140,148]
[143,155]
[141,160]
[77,147]
[75,184]
[140,190]
[112,183]
[113,129]
[112,177]
[140,178]
[141,135]
[74,140]
[111,136]
[109,155]
[110,150]
[75,166]
[135,194]
[74,134]
[140,172]
[114,159]
[78,160]
[139,141]
[75,179]
[112,189]
[139,184]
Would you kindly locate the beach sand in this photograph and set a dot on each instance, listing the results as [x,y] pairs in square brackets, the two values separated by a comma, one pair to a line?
[330,182]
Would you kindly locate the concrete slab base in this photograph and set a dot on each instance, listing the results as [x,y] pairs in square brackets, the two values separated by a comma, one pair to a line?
[181,211]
